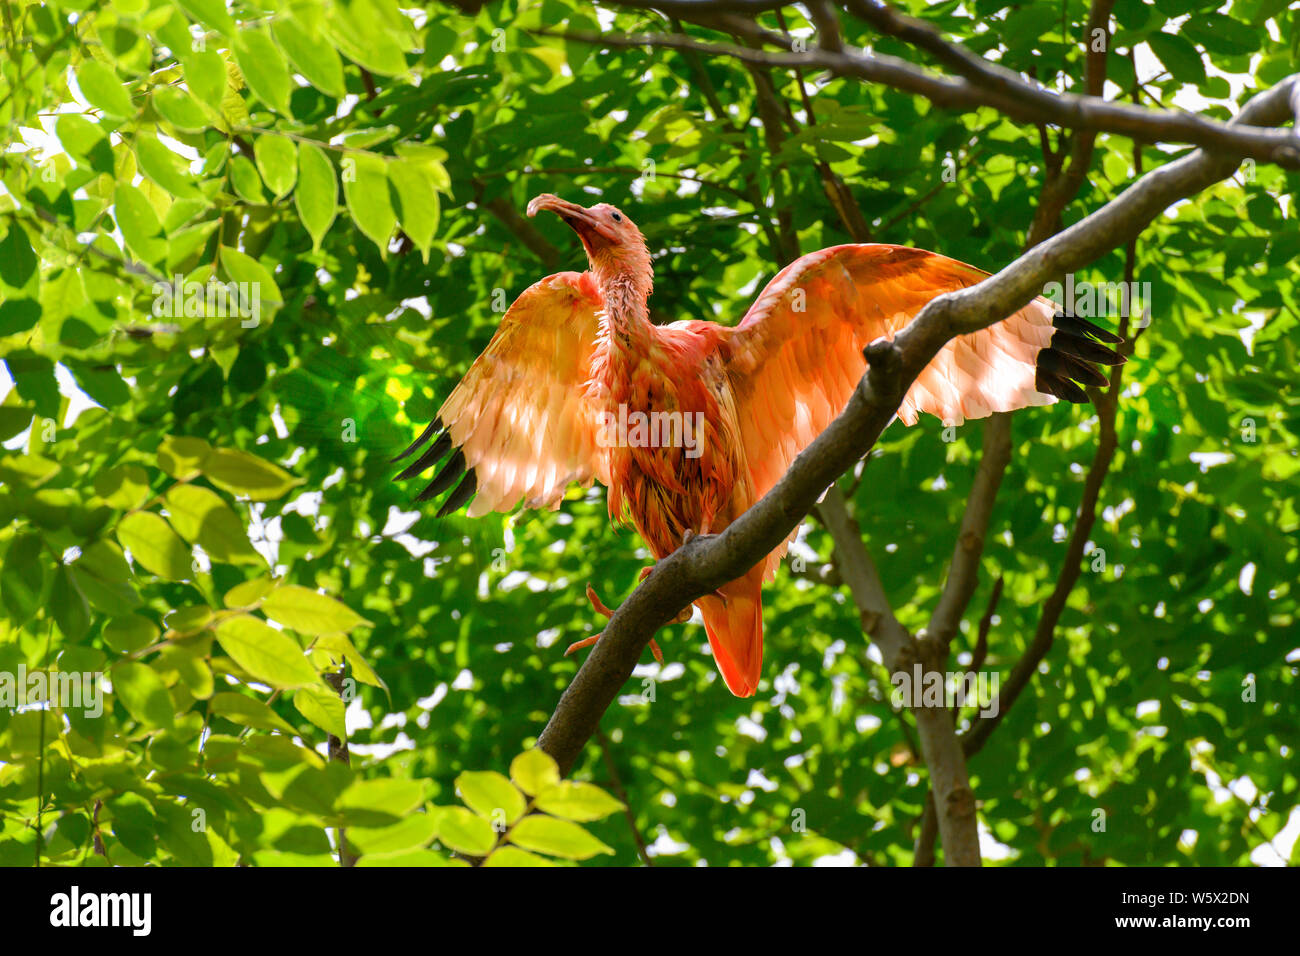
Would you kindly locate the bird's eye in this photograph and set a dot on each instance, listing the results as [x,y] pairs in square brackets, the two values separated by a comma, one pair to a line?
[617,217]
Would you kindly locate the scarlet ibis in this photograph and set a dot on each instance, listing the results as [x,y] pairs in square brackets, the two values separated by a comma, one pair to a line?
[689,424]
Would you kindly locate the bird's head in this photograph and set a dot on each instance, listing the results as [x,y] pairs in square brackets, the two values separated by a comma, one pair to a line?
[615,247]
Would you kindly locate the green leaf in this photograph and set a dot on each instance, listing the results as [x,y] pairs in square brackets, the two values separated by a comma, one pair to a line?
[181,456]
[556,838]
[264,69]
[210,13]
[85,141]
[582,802]
[324,708]
[205,75]
[139,224]
[154,545]
[265,298]
[243,474]
[245,181]
[180,109]
[512,856]
[277,160]
[128,634]
[416,830]
[71,610]
[143,693]
[248,712]
[164,167]
[388,795]
[491,795]
[534,771]
[200,516]
[464,832]
[365,187]
[417,200]
[101,87]
[249,593]
[317,195]
[1179,57]
[270,656]
[309,612]
[312,54]
[22,579]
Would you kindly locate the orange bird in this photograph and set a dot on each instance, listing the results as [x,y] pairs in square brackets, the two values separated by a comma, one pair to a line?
[689,424]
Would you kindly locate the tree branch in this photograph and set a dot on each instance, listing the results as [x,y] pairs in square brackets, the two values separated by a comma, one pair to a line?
[994,87]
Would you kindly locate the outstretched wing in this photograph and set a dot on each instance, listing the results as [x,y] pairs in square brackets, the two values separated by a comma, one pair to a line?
[519,425]
[797,355]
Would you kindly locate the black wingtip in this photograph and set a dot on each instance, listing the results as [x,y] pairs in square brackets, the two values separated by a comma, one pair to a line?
[434,426]
[1060,386]
[443,480]
[464,491]
[433,453]
[1072,323]
[1073,356]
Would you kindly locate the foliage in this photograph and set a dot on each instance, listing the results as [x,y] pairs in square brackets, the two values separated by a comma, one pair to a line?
[363,167]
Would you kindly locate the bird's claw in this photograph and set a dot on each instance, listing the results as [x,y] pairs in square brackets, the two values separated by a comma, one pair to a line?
[588,641]
[597,605]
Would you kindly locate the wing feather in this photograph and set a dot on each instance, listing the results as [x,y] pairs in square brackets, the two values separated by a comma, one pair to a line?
[520,422]
[796,357]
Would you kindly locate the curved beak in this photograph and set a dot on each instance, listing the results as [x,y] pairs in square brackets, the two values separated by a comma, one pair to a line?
[579,219]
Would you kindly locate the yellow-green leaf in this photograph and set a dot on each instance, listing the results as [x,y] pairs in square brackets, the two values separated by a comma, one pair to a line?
[491,795]
[534,771]
[554,837]
[512,856]
[164,167]
[248,712]
[365,187]
[249,592]
[243,474]
[182,457]
[464,832]
[322,707]
[309,612]
[139,223]
[270,656]
[417,199]
[264,69]
[101,87]
[313,55]
[201,516]
[317,198]
[143,693]
[277,161]
[264,294]
[154,545]
[582,802]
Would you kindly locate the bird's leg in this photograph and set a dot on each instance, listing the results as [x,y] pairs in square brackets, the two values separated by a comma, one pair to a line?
[599,607]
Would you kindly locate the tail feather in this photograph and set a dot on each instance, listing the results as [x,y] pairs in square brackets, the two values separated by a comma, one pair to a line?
[735,628]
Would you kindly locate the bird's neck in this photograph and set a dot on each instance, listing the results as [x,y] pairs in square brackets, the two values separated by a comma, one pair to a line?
[626,320]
